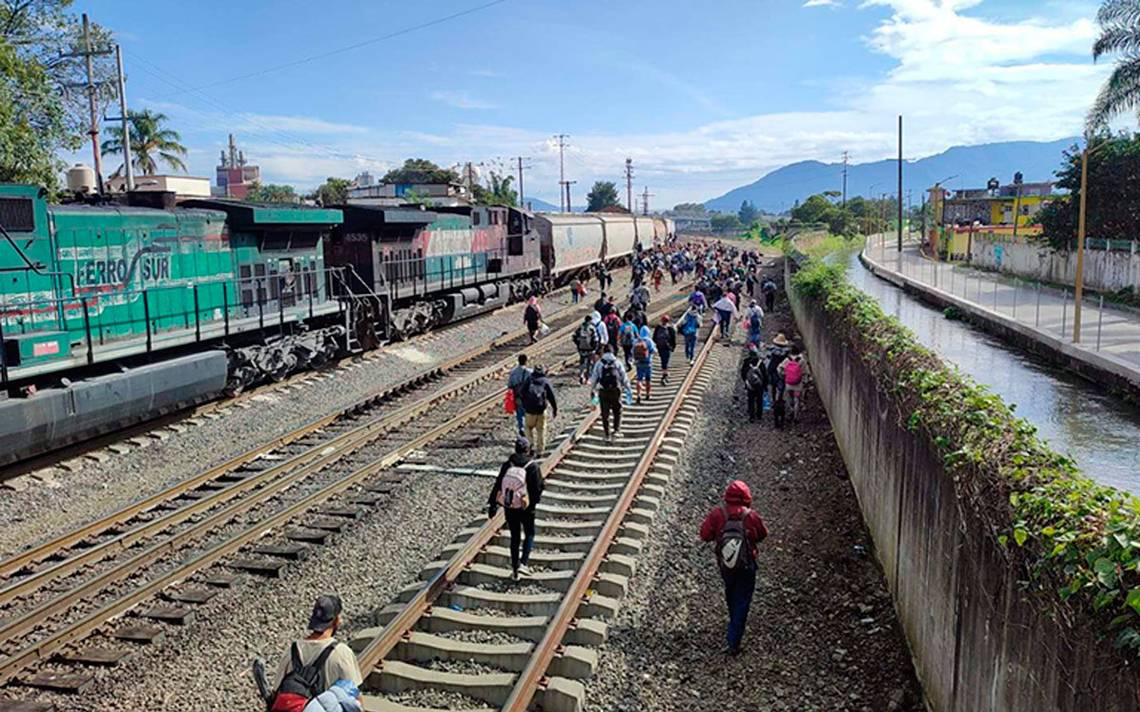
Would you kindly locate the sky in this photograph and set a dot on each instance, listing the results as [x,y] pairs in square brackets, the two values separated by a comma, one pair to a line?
[702,96]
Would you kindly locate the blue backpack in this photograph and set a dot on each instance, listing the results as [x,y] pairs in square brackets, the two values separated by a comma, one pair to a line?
[689,325]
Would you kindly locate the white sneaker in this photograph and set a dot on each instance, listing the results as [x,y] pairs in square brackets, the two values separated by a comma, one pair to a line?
[515,575]
[524,570]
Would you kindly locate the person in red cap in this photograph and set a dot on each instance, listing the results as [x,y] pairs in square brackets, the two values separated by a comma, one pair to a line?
[736,530]
[665,339]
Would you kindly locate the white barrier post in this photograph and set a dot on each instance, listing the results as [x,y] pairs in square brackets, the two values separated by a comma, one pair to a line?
[1037,317]
[1064,312]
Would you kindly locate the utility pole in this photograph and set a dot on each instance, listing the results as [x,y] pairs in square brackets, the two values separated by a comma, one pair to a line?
[562,167]
[470,180]
[900,227]
[629,186]
[1079,287]
[645,196]
[845,180]
[89,86]
[566,186]
[521,159]
[130,171]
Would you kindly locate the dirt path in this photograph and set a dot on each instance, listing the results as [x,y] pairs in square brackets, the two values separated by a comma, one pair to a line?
[822,634]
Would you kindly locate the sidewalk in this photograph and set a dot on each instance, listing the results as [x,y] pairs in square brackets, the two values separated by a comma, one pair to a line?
[1110,337]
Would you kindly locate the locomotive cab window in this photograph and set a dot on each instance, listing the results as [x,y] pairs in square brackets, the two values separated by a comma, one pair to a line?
[474,218]
[515,245]
[17,214]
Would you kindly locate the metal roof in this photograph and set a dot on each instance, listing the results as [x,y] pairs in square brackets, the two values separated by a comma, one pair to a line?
[358,216]
[257,215]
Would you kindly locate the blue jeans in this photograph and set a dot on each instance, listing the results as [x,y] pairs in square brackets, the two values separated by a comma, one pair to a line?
[690,346]
[519,414]
[725,321]
[574,296]
[738,589]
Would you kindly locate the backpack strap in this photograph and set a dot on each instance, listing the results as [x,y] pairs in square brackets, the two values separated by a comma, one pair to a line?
[319,663]
[295,653]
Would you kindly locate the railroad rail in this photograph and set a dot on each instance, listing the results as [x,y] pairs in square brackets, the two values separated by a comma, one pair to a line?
[349,456]
[598,502]
[223,403]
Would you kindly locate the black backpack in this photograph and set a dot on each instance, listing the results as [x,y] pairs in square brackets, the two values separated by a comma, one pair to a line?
[586,338]
[609,378]
[303,682]
[733,550]
[754,378]
[534,396]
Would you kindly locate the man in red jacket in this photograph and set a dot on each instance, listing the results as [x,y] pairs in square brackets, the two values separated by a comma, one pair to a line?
[736,530]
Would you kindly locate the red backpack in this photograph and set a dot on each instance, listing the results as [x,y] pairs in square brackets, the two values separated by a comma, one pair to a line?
[303,682]
[793,372]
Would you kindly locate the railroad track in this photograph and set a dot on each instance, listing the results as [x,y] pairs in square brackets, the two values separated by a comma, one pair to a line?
[60,592]
[467,630]
[222,404]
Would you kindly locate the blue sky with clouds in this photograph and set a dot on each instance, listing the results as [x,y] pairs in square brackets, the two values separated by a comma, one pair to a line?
[704,96]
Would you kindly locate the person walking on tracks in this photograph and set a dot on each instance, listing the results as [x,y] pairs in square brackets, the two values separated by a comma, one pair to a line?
[665,339]
[518,377]
[776,356]
[586,341]
[533,318]
[690,325]
[609,380]
[316,661]
[537,394]
[517,490]
[643,349]
[736,530]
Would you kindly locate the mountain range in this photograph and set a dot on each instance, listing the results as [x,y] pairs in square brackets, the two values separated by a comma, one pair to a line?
[956,167]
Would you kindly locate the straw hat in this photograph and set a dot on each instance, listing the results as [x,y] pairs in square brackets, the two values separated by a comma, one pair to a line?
[780,339]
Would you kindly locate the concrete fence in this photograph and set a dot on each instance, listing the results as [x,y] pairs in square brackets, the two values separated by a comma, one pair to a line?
[1106,270]
[977,640]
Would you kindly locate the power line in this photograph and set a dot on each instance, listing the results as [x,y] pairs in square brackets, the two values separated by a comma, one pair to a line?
[351,47]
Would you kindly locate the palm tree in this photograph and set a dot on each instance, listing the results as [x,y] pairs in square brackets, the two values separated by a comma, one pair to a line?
[1120,34]
[148,142]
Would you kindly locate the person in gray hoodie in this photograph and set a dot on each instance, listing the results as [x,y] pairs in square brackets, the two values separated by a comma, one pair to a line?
[608,380]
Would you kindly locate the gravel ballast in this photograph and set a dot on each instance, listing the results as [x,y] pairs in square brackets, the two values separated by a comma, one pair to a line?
[56,500]
[822,633]
[207,662]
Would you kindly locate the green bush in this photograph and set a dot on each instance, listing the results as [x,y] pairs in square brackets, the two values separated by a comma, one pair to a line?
[1078,540]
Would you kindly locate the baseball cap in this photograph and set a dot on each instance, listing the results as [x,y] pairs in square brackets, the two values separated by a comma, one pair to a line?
[325,611]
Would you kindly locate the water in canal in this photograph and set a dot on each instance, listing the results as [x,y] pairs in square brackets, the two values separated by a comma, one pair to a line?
[1099,431]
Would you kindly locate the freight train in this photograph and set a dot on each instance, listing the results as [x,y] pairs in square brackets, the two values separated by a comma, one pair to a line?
[115,312]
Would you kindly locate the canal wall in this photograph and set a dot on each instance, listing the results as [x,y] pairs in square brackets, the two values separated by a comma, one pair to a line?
[1106,270]
[978,640]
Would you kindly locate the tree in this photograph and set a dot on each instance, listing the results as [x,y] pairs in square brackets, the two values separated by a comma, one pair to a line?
[150,143]
[1120,34]
[420,170]
[45,33]
[40,115]
[33,123]
[1113,193]
[725,222]
[334,191]
[690,208]
[747,213]
[271,193]
[602,195]
[497,192]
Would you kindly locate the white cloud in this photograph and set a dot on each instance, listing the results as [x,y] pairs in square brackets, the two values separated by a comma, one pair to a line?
[823,3]
[461,100]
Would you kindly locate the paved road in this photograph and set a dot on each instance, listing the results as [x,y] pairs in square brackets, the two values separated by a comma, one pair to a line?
[1109,331]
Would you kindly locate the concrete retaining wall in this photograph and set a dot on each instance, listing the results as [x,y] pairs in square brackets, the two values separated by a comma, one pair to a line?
[977,642]
[1105,270]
